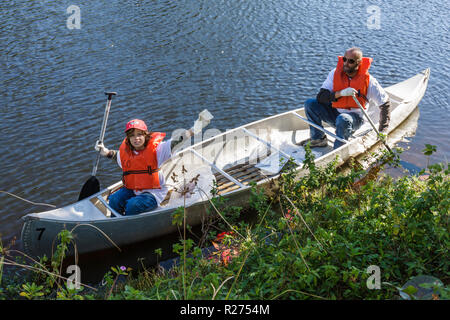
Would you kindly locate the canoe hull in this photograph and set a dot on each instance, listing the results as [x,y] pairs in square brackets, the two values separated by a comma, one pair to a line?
[39,234]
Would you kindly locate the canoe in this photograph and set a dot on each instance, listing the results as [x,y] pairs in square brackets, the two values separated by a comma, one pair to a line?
[225,163]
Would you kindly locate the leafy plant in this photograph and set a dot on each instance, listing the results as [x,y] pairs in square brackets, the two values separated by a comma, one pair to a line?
[314,237]
[31,291]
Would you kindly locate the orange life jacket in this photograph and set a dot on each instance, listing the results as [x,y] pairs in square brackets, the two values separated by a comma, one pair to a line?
[140,171]
[359,82]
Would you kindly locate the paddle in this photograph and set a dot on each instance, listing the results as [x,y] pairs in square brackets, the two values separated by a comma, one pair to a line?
[372,124]
[92,185]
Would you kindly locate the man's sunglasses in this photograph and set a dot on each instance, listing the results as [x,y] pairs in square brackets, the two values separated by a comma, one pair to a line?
[351,61]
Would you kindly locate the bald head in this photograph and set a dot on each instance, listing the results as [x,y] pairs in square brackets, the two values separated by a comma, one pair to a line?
[352,60]
[357,52]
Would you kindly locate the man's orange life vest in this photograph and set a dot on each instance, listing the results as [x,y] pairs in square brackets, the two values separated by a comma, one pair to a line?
[140,171]
[360,82]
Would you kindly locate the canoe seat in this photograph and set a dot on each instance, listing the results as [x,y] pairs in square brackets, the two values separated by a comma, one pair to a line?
[244,173]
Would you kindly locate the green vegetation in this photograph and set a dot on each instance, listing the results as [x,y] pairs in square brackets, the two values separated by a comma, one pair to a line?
[314,238]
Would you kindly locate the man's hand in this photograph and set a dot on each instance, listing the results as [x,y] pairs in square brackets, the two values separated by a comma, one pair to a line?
[101,148]
[347,92]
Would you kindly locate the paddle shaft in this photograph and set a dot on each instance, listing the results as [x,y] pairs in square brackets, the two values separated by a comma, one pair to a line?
[372,124]
[103,128]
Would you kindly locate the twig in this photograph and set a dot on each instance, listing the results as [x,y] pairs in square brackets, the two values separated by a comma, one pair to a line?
[27,256]
[303,220]
[292,290]
[192,283]
[295,241]
[12,263]
[267,210]
[34,261]
[222,216]
[98,229]
[2,259]
[217,291]
[112,287]
[184,236]
[239,272]
[35,203]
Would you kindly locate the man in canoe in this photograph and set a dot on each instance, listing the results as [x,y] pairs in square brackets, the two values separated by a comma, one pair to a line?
[140,155]
[334,103]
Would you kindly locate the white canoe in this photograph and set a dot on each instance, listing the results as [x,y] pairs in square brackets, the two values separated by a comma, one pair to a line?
[233,159]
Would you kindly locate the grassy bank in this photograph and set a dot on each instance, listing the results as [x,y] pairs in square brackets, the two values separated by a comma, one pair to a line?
[318,237]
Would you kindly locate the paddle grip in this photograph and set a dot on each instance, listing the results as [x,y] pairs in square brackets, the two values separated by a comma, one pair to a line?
[103,128]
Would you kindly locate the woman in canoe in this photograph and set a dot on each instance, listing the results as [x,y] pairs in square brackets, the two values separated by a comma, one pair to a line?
[140,156]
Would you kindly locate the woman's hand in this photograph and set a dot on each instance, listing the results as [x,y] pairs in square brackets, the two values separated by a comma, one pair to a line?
[101,148]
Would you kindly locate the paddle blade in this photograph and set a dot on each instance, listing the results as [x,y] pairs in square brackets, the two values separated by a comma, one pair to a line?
[90,187]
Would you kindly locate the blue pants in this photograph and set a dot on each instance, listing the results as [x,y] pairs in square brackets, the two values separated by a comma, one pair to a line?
[127,203]
[345,123]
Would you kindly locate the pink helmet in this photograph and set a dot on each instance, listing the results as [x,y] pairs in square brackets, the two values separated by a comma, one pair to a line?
[136,124]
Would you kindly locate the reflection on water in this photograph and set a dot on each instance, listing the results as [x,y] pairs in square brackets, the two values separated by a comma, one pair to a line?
[400,137]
